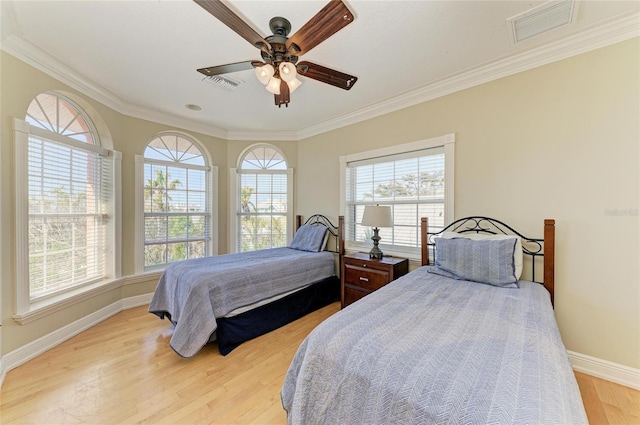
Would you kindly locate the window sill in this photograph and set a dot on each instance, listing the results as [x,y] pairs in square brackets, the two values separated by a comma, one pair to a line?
[40,309]
[143,277]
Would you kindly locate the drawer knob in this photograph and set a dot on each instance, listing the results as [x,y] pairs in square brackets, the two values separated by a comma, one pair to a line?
[364,279]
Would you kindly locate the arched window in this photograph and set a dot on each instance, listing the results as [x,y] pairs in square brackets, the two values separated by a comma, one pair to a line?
[263,199]
[65,215]
[177,207]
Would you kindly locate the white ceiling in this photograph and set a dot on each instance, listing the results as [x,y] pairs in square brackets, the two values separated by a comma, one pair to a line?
[140,57]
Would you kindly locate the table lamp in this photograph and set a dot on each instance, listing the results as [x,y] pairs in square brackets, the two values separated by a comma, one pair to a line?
[376,216]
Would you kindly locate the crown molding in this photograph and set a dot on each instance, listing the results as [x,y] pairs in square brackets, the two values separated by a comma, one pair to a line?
[262,136]
[30,54]
[614,31]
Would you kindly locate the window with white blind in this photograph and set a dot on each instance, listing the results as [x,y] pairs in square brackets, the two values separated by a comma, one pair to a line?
[414,179]
[65,217]
[176,202]
[262,192]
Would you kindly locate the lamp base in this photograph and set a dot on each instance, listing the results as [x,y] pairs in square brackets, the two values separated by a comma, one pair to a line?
[377,255]
[375,251]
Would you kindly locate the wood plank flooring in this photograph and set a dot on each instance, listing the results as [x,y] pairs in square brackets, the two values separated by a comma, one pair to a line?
[122,371]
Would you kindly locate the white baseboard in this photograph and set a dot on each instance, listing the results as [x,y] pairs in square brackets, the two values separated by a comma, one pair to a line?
[136,301]
[3,372]
[27,352]
[614,372]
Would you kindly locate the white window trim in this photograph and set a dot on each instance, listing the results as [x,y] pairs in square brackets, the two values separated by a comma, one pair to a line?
[212,204]
[27,311]
[234,184]
[446,141]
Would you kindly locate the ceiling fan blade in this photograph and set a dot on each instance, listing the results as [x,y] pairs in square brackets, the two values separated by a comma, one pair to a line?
[332,18]
[233,21]
[326,75]
[230,67]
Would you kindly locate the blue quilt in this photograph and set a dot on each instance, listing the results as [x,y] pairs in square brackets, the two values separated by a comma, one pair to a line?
[193,293]
[428,349]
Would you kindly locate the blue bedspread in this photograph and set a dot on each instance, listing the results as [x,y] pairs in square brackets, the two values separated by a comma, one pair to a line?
[193,293]
[428,349]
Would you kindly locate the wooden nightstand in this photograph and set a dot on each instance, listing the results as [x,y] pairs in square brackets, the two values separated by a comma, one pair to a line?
[361,275]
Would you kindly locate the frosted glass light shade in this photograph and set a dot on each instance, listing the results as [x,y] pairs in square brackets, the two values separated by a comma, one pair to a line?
[274,85]
[264,73]
[377,216]
[287,71]
[294,84]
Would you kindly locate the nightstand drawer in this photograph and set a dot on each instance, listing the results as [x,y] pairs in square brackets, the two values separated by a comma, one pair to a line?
[361,275]
[369,279]
[352,295]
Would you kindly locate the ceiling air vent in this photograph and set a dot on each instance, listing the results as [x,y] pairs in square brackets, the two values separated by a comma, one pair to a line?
[545,17]
[223,82]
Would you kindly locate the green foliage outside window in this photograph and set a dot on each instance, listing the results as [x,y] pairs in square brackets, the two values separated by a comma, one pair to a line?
[170,236]
[261,228]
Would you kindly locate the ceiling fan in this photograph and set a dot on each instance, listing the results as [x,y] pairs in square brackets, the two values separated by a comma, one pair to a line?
[279,69]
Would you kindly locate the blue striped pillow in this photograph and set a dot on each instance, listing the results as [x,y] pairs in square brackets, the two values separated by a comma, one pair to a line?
[309,238]
[484,261]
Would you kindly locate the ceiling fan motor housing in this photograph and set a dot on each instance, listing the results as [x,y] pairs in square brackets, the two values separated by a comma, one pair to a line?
[280,27]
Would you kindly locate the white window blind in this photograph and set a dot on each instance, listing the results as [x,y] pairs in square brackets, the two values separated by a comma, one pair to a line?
[412,183]
[69,196]
[65,200]
[177,210]
[263,199]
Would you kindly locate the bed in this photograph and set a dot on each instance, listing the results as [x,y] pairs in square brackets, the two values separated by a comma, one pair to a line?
[437,346]
[236,297]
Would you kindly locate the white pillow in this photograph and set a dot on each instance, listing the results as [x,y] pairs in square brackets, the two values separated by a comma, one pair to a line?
[517,252]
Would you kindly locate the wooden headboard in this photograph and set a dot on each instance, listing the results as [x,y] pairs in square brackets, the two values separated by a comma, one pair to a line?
[533,247]
[336,231]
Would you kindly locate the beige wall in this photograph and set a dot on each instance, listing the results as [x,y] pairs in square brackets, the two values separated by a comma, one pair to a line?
[560,141]
[20,83]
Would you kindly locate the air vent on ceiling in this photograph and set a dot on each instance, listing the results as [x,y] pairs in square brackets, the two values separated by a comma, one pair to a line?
[223,82]
[547,16]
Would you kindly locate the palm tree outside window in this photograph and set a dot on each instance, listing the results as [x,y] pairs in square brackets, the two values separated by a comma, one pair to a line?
[263,199]
[177,211]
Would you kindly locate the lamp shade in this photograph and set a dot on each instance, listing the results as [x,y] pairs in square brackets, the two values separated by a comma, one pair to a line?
[294,84]
[287,71]
[264,73]
[274,85]
[377,216]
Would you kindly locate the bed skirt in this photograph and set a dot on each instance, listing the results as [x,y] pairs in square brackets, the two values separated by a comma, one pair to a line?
[233,331]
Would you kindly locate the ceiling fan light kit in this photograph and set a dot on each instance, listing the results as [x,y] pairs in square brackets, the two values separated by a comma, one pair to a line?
[294,84]
[280,53]
[274,85]
[287,71]
[264,73]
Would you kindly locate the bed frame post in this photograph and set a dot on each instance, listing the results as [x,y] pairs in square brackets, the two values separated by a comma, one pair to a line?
[424,247]
[341,235]
[549,255]
[298,221]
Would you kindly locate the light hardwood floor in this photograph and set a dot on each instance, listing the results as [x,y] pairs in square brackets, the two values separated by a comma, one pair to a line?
[122,371]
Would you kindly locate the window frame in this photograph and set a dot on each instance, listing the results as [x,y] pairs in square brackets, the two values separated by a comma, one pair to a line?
[211,193]
[446,142]
[28,310]
[235,189]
